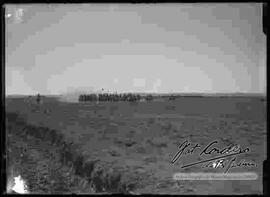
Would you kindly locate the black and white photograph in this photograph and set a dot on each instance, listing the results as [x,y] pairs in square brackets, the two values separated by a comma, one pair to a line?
[135,98]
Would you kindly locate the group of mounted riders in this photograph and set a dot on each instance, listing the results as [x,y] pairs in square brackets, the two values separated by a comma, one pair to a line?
[113,97]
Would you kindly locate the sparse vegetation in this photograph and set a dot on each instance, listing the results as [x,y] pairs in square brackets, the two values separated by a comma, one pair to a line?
[82,149]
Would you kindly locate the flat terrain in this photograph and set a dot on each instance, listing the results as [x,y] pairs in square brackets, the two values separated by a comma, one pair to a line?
[131,145]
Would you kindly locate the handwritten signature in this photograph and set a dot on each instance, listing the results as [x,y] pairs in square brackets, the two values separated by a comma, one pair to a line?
[220,161]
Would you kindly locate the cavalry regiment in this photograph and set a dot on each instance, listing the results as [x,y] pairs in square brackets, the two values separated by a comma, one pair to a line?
[114,97]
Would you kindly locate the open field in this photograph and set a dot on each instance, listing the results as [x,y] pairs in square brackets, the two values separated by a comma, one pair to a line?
[128,147]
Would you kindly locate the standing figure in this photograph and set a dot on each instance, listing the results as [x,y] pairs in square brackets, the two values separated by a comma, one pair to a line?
[38,98]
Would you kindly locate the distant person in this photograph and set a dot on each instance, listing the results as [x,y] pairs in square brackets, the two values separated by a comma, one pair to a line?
[38,99]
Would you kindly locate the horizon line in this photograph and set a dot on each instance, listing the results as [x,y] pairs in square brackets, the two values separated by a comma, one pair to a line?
[154,93]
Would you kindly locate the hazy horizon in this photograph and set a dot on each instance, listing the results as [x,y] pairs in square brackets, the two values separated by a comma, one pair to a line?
[142,93]
[55,49]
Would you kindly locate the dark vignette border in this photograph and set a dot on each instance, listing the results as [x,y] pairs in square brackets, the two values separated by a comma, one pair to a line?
[2,131]
[265,17]
[266,164]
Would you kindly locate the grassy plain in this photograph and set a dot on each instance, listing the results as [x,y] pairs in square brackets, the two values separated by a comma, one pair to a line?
[128,147]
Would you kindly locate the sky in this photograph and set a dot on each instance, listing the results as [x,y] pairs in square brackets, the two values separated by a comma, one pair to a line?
[161,48]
